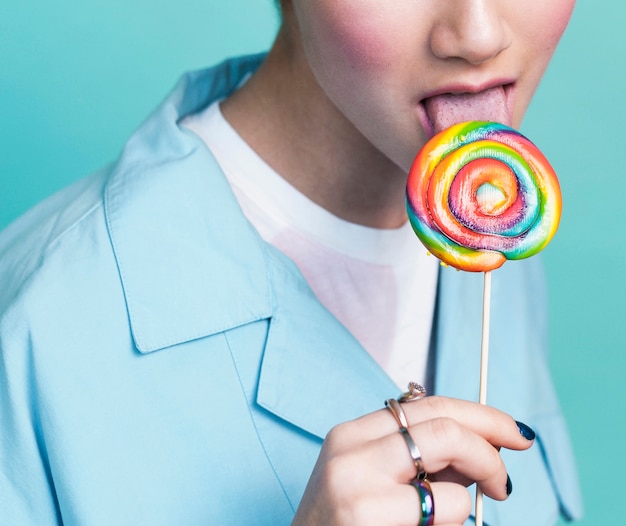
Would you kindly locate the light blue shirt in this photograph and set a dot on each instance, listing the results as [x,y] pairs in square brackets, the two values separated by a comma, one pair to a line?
[161,364]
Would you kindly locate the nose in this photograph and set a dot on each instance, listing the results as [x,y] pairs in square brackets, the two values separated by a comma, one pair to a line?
[473,30]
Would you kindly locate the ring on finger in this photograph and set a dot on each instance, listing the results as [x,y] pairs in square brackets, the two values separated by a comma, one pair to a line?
[415,392]
[398,413]
[400,417]
[427,503]
[415,454]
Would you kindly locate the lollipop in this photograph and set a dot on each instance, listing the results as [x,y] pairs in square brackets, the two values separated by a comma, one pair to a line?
[480,193]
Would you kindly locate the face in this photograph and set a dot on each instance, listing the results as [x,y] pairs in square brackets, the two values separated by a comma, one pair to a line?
[401,70]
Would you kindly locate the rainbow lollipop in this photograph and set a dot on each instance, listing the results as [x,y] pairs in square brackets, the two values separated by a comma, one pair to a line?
[480,193]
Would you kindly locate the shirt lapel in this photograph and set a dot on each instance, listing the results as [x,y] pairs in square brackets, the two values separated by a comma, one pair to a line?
[314,373]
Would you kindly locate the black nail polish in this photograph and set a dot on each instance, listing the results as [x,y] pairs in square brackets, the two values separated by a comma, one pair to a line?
[509,485]
[526,431]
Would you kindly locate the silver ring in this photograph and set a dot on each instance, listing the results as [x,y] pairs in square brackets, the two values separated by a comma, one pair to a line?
[414,452]
[415,392]
[398,413]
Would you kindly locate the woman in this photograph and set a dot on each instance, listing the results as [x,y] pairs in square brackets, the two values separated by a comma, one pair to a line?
[181,330]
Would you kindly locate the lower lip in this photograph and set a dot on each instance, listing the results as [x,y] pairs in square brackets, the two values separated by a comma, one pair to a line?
[427,126]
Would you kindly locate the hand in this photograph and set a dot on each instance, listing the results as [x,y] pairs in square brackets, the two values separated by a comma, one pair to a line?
[362,474]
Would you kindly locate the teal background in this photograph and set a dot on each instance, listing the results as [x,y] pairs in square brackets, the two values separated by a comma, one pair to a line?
[76,78]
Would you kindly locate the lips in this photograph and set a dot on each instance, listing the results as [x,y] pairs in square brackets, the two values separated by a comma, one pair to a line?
[444,110]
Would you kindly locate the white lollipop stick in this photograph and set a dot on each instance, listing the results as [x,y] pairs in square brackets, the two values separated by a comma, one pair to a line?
[484,369]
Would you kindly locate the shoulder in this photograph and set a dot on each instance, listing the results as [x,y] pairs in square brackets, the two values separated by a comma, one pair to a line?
[44,238]
[56,267]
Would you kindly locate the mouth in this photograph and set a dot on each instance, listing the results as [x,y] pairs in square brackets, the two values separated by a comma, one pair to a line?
[453,105]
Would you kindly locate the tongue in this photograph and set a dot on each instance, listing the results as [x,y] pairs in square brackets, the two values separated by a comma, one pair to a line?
[488,105]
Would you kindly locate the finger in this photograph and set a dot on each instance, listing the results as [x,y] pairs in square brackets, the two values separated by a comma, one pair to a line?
[401,505]
[450,475]
[498,428]
[452,504]
[495,426]
[443,444]
[446,445]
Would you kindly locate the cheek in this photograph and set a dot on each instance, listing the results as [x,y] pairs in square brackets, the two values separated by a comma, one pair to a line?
[355,37]
[540,26]
[549,27]
[563,13]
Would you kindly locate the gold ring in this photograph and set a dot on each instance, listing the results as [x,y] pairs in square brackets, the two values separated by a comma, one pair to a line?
[415,392]
[398,413]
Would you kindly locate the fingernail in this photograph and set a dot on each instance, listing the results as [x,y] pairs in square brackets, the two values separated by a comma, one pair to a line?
[525,431]
[509,485]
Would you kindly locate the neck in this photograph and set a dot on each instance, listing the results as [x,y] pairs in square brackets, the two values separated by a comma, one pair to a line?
[284,115]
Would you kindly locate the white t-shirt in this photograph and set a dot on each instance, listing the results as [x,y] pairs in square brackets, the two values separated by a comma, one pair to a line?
[380,284]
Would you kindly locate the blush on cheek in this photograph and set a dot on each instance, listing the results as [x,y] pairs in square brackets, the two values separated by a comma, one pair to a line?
[359,38]
[564,14]
[553,24]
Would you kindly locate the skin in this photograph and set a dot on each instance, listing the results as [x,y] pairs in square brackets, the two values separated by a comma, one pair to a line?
[343,86]
[344,81]
[458,441]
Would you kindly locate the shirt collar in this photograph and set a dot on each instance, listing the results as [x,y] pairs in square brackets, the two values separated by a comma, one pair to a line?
[178,235]
[191,265]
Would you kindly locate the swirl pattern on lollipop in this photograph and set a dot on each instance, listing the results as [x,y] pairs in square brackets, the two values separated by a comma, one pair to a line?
[480,193]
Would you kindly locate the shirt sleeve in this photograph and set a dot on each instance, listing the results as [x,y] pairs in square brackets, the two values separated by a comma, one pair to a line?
[27,495]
